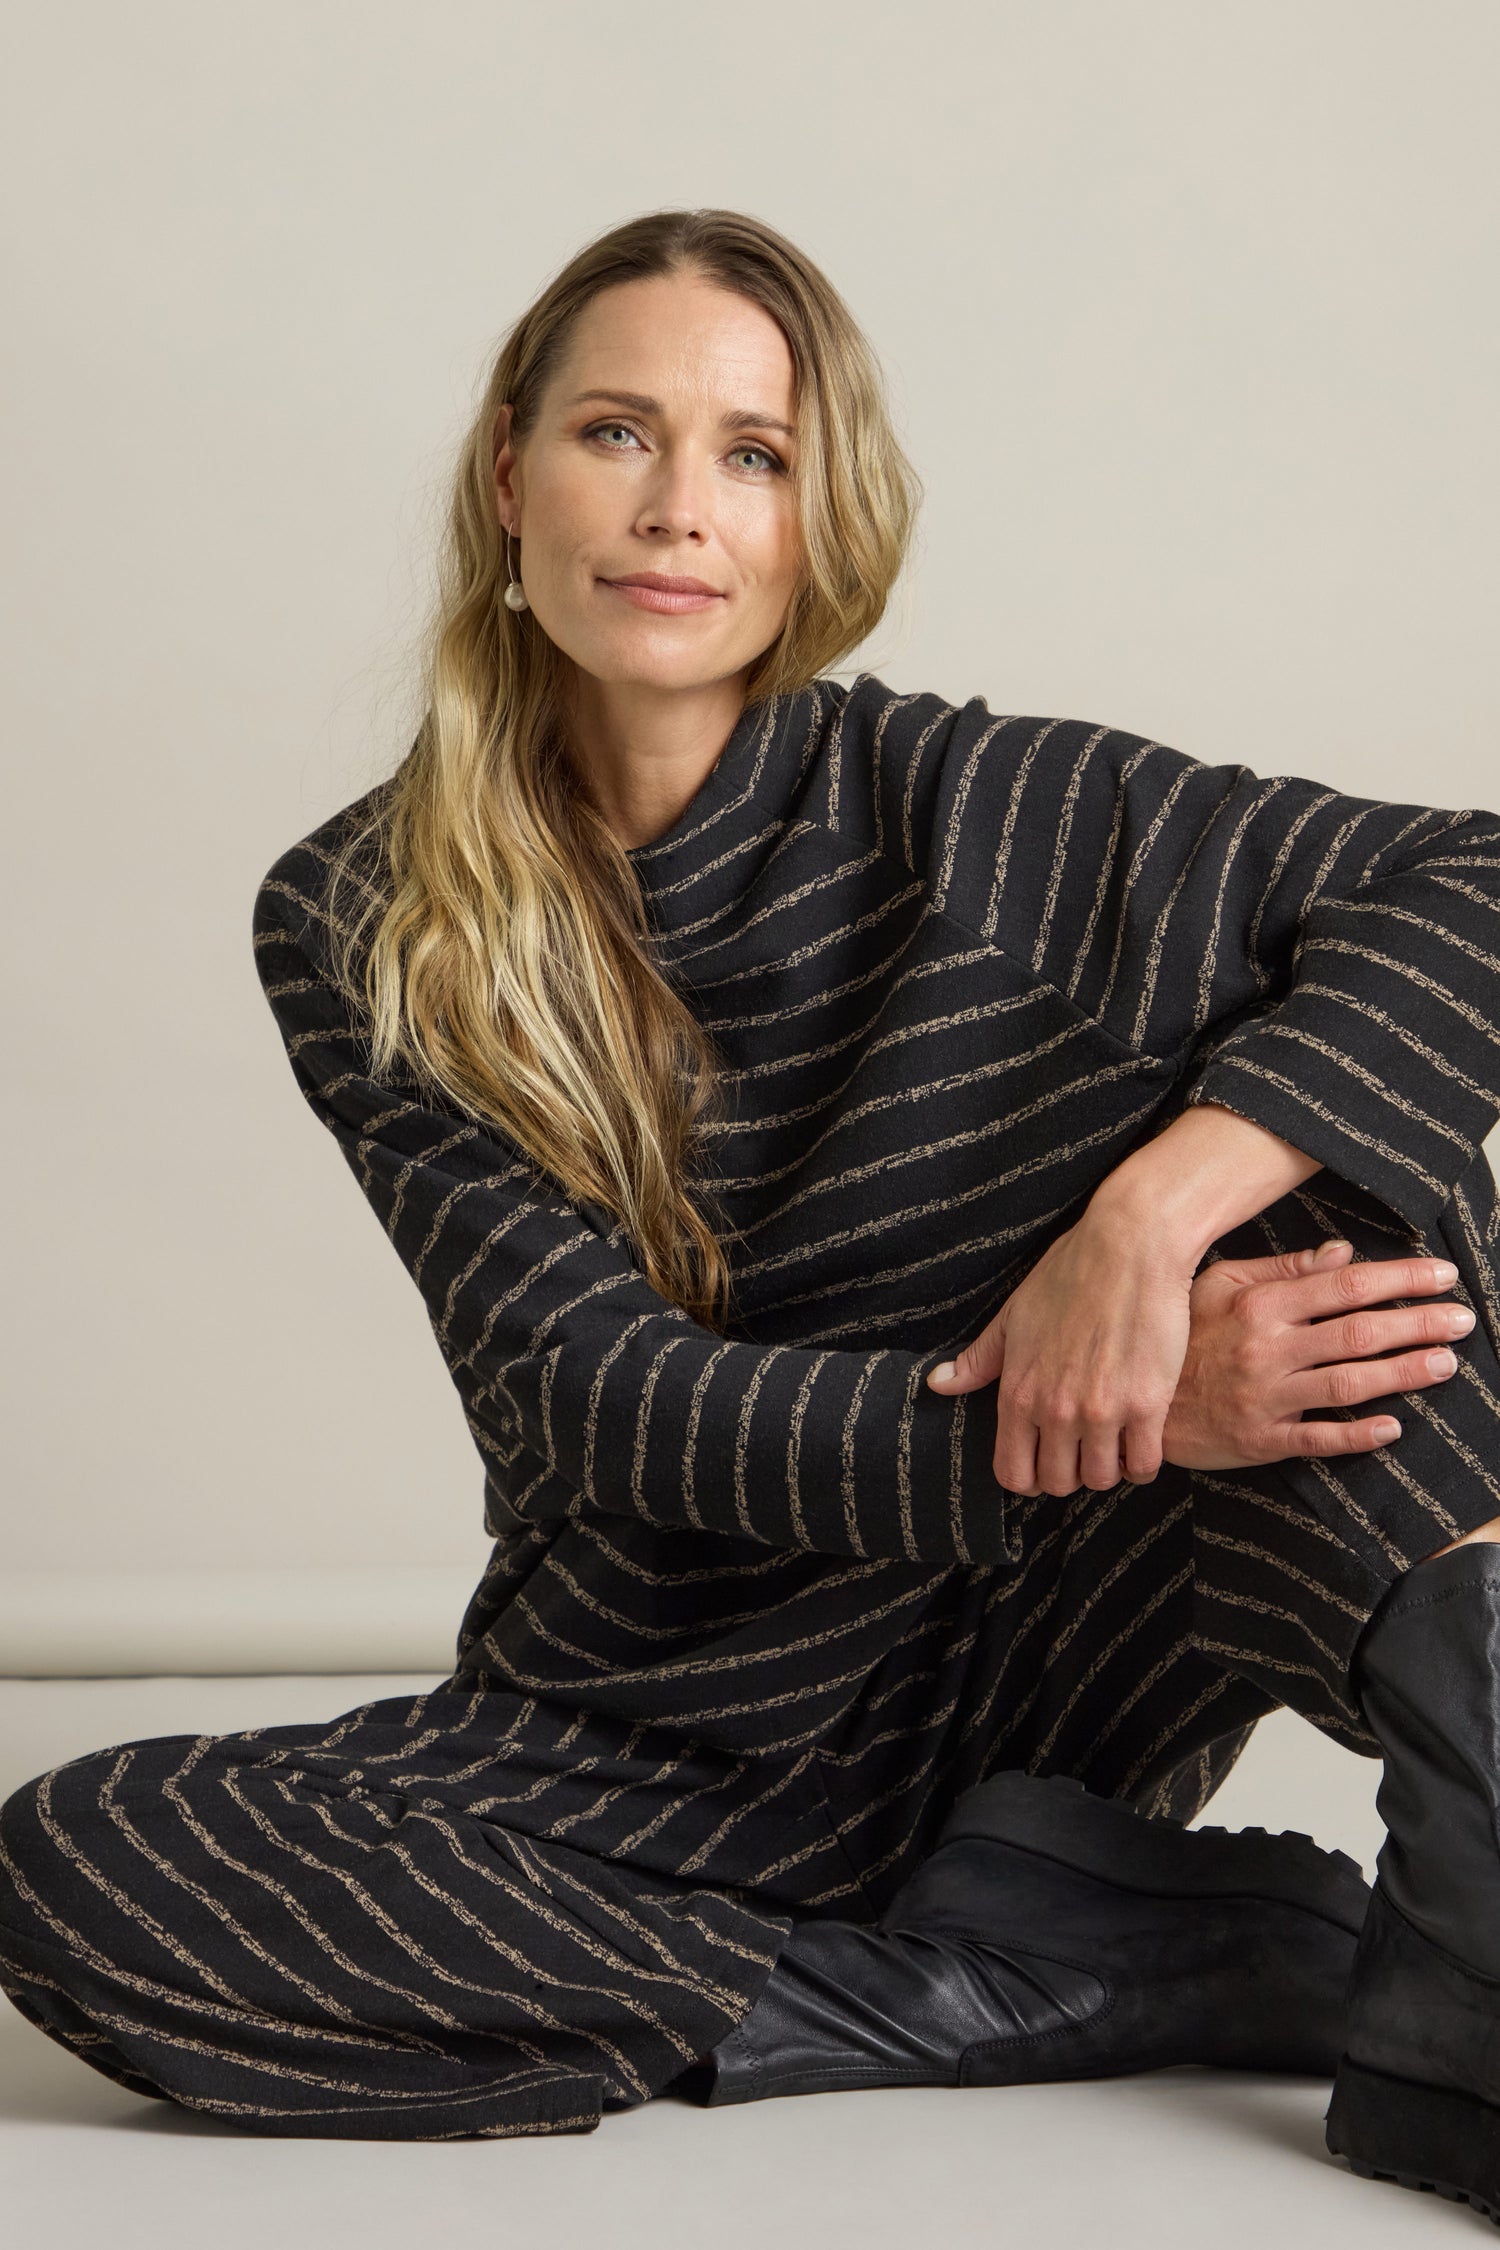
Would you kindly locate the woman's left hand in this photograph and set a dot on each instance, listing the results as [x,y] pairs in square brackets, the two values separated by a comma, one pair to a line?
[1088,1351]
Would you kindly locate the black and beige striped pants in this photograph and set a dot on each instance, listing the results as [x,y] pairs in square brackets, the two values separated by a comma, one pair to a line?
[466,1913]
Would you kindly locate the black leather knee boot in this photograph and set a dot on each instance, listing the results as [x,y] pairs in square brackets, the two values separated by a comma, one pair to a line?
[1416,2097]
[1053,1934]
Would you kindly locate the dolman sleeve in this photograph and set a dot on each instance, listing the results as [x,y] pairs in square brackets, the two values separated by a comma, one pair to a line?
[594,1391]
[1325,965]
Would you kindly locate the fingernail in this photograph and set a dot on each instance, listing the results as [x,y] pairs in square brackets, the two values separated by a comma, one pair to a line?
[1326,1249]
[1460,1320]
[1441,1363]
[1445,1270]
[943,1374]
[1386,1429]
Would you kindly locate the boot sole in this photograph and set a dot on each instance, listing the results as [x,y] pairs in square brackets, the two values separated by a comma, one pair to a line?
[1426,2137]
[1062,1819]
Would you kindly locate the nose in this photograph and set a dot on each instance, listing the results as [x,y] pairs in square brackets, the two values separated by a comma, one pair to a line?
[677,501]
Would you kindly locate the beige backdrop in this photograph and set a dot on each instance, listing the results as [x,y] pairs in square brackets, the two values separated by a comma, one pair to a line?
[1189,313]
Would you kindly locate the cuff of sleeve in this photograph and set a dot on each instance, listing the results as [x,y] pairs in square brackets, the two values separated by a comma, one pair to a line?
[983,1522]
[1414,1175]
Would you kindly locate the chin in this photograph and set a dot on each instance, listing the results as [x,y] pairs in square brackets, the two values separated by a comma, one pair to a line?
[636,662]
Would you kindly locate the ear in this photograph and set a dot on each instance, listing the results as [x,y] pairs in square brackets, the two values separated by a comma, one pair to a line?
[507,496]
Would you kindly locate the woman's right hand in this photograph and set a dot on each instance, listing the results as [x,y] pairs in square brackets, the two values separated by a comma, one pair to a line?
[1272,1336]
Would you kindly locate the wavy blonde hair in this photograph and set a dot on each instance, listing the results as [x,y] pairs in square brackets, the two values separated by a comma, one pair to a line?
[506,949]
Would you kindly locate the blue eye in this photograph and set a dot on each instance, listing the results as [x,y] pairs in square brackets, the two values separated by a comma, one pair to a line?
[597,429]
[764,451]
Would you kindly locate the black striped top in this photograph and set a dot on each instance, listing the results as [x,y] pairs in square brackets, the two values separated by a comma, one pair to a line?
[957,965]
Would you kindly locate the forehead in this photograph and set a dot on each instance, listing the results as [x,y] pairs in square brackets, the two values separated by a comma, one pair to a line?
[683,340]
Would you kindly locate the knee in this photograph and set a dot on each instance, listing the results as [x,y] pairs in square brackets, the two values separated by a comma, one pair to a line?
[60,1851]
[53,1966]
[39,1943]
[35,1847]
[25,1848]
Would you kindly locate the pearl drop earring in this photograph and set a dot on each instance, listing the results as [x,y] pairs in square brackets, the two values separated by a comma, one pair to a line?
[515,592]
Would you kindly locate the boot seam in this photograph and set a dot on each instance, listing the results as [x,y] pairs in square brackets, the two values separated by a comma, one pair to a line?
[872,2073]
[744,2054]
[1431,1601]
[1009,2039]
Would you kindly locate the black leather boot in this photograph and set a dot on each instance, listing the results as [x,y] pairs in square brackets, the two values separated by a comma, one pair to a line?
[1055,1934]
[1416,2097]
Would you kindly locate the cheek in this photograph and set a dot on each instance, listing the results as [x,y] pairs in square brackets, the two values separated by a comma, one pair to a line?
[564,523]
[772,554]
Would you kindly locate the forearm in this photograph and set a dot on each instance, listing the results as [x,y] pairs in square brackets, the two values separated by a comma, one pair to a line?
[1208,1171]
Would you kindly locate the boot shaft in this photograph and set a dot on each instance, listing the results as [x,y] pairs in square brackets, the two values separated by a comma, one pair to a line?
[1426,1671]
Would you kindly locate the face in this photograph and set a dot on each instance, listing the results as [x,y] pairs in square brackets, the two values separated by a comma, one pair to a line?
[676,463]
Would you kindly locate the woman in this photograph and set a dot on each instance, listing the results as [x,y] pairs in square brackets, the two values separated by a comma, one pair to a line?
[722,1048]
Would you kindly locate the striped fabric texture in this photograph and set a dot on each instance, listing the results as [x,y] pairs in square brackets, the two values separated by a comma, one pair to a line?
[757,1609]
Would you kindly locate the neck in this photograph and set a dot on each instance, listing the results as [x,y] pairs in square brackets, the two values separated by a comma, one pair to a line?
[644,752]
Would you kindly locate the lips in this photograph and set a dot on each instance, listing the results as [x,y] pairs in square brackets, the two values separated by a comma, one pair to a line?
[663,584]
[668,596]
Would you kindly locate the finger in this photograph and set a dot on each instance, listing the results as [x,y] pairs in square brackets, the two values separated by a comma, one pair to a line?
[1312,1440]
[1286,1265]
[1015,1452]
[1143,1450]
[1357,1335]
[1101,1458]
[1354,1381]
[1057,1465]
[1364,1281]
[978,1363]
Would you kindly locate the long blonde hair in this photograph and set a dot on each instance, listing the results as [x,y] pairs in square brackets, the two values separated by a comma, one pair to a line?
[508,965]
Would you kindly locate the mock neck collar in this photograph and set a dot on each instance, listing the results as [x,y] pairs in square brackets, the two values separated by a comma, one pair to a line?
[747,788]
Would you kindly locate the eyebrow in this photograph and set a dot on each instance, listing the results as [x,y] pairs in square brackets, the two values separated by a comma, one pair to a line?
[738,418]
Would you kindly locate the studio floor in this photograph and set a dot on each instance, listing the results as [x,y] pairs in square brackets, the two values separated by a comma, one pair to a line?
[1172,2158]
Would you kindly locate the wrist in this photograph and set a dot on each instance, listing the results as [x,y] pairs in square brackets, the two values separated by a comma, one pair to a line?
[1207,1171]
[1143,1212]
